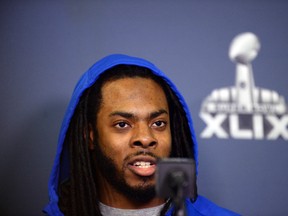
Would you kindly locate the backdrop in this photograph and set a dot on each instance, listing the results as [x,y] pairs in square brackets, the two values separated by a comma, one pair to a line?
[46,45]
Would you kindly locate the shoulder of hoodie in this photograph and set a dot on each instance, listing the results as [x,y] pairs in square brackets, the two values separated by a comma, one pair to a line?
[204,207]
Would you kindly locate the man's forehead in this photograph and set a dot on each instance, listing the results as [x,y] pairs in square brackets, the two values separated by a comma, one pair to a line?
[136,95]
[132,86]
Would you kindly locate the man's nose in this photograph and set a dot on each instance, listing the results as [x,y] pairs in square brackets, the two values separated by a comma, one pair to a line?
[143,137]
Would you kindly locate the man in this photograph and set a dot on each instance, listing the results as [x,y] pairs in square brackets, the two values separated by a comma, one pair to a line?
[124,115]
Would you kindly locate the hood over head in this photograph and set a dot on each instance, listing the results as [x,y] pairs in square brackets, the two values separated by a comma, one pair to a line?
[60,168]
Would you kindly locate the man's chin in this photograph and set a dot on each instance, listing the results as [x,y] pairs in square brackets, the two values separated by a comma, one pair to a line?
[140,193]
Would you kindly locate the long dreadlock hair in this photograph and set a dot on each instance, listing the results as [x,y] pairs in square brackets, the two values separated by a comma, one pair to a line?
[78,195]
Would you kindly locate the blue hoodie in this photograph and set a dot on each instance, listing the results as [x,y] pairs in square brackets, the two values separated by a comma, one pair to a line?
[201,206]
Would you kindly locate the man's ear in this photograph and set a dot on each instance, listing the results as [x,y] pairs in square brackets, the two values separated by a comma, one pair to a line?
[91,138]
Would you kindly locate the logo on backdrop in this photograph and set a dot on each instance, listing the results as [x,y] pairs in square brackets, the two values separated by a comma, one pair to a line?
[244,111]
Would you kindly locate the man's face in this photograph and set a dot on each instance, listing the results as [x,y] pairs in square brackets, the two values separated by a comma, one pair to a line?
[133,130]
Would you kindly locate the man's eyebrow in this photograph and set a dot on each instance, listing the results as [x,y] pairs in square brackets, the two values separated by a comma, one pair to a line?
[123,114]
[131,115]
[158,113]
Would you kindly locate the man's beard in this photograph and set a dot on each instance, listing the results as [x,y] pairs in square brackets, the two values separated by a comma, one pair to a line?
[107,168]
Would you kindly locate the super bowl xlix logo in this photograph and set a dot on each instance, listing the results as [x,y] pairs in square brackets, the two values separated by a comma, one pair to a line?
[244,111]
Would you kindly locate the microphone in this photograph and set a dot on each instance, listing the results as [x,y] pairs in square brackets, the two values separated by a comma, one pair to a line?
[176,179]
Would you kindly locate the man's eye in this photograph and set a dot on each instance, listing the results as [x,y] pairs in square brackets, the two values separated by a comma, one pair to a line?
[159,124]
[121,125]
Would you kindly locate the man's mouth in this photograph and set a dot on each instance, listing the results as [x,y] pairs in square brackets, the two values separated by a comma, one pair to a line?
[143,166]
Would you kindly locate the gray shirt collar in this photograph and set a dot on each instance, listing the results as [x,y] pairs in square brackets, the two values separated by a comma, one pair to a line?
[111,211]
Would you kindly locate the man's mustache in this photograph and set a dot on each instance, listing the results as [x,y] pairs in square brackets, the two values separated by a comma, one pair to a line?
[142,152]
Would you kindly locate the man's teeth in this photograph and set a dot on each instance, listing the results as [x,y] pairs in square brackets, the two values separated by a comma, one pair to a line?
[142,164]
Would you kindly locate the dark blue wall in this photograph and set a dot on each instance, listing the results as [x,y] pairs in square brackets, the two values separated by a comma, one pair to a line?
[46,45]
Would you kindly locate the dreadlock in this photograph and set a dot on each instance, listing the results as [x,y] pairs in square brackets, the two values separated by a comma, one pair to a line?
[78,195]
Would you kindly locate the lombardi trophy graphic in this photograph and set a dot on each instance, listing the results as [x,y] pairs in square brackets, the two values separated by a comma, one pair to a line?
[244,111]
[244,49]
